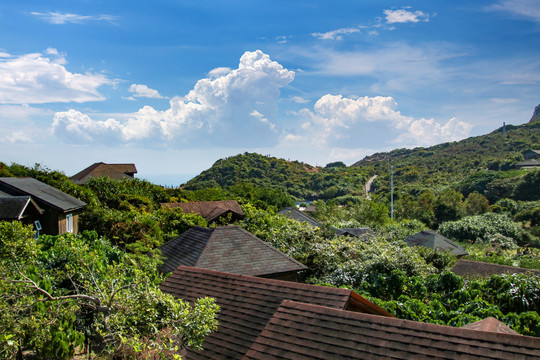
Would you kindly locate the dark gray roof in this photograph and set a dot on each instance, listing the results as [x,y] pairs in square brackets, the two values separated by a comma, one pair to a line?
[41,193]
[295,214]
[431,239]
[358,232]
[470,268]
[226,248]
[210,210]
[12,207]
[531,162]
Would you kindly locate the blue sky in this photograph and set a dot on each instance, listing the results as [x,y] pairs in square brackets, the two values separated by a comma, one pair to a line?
[173,86]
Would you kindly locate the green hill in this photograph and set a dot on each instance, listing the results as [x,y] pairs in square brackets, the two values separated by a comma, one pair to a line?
[483,163]
[478,163]
[300,180]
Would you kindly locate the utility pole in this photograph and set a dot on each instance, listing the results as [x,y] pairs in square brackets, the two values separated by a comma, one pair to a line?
[391,187]
[392,191]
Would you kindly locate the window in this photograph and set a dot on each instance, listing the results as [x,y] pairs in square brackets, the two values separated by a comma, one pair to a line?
[69,223]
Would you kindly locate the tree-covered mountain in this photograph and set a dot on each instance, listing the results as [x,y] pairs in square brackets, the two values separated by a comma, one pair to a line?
[299,180]
[483,163]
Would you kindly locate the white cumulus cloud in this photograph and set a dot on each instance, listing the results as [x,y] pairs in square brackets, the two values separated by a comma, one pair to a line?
[227,106]
[78,127]
[37,79]
[140,90]
[337,120]
[426,132]
[405,16]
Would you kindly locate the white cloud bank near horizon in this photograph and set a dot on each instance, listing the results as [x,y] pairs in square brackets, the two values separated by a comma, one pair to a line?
[232,108]
[336,118]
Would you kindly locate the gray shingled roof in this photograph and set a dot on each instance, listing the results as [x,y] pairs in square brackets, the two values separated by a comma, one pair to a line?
[431,239]
[470,268]
[226,248]
[13,207]
[299,331]
[528,163]
[41,193]
[295,214]
[357,232]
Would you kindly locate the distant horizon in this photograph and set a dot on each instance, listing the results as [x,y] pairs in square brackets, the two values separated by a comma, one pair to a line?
[167,180]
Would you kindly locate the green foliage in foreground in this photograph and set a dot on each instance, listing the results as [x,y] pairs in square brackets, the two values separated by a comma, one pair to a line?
[58,293]
[446,299]
[411,282]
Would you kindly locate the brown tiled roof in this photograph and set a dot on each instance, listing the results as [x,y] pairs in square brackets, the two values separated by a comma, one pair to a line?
[431,239]
[469,268]
[210,210]
[302,331]
[226,248]
[492,325]
[113,171]
[247,303]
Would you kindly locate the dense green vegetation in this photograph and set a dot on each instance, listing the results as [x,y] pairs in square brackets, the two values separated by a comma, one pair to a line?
[410,282]
[74,292]
[298,180]
[68,292]
[480,164]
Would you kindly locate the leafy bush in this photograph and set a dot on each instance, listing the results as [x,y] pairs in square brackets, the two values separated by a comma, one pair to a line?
[58,292]
[507,205]
[479,228]
[447,299]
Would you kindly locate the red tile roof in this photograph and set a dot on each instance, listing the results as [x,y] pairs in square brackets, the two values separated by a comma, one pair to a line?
[302,331]
[210,210]
[226,248]
[113,171]
[469,268]
[247,303]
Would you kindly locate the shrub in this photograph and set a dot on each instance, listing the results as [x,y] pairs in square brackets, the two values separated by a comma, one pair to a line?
[479,228]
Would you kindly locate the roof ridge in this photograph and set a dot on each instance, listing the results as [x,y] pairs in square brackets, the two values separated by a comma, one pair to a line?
[497,265]
[436,328]
[281,283]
